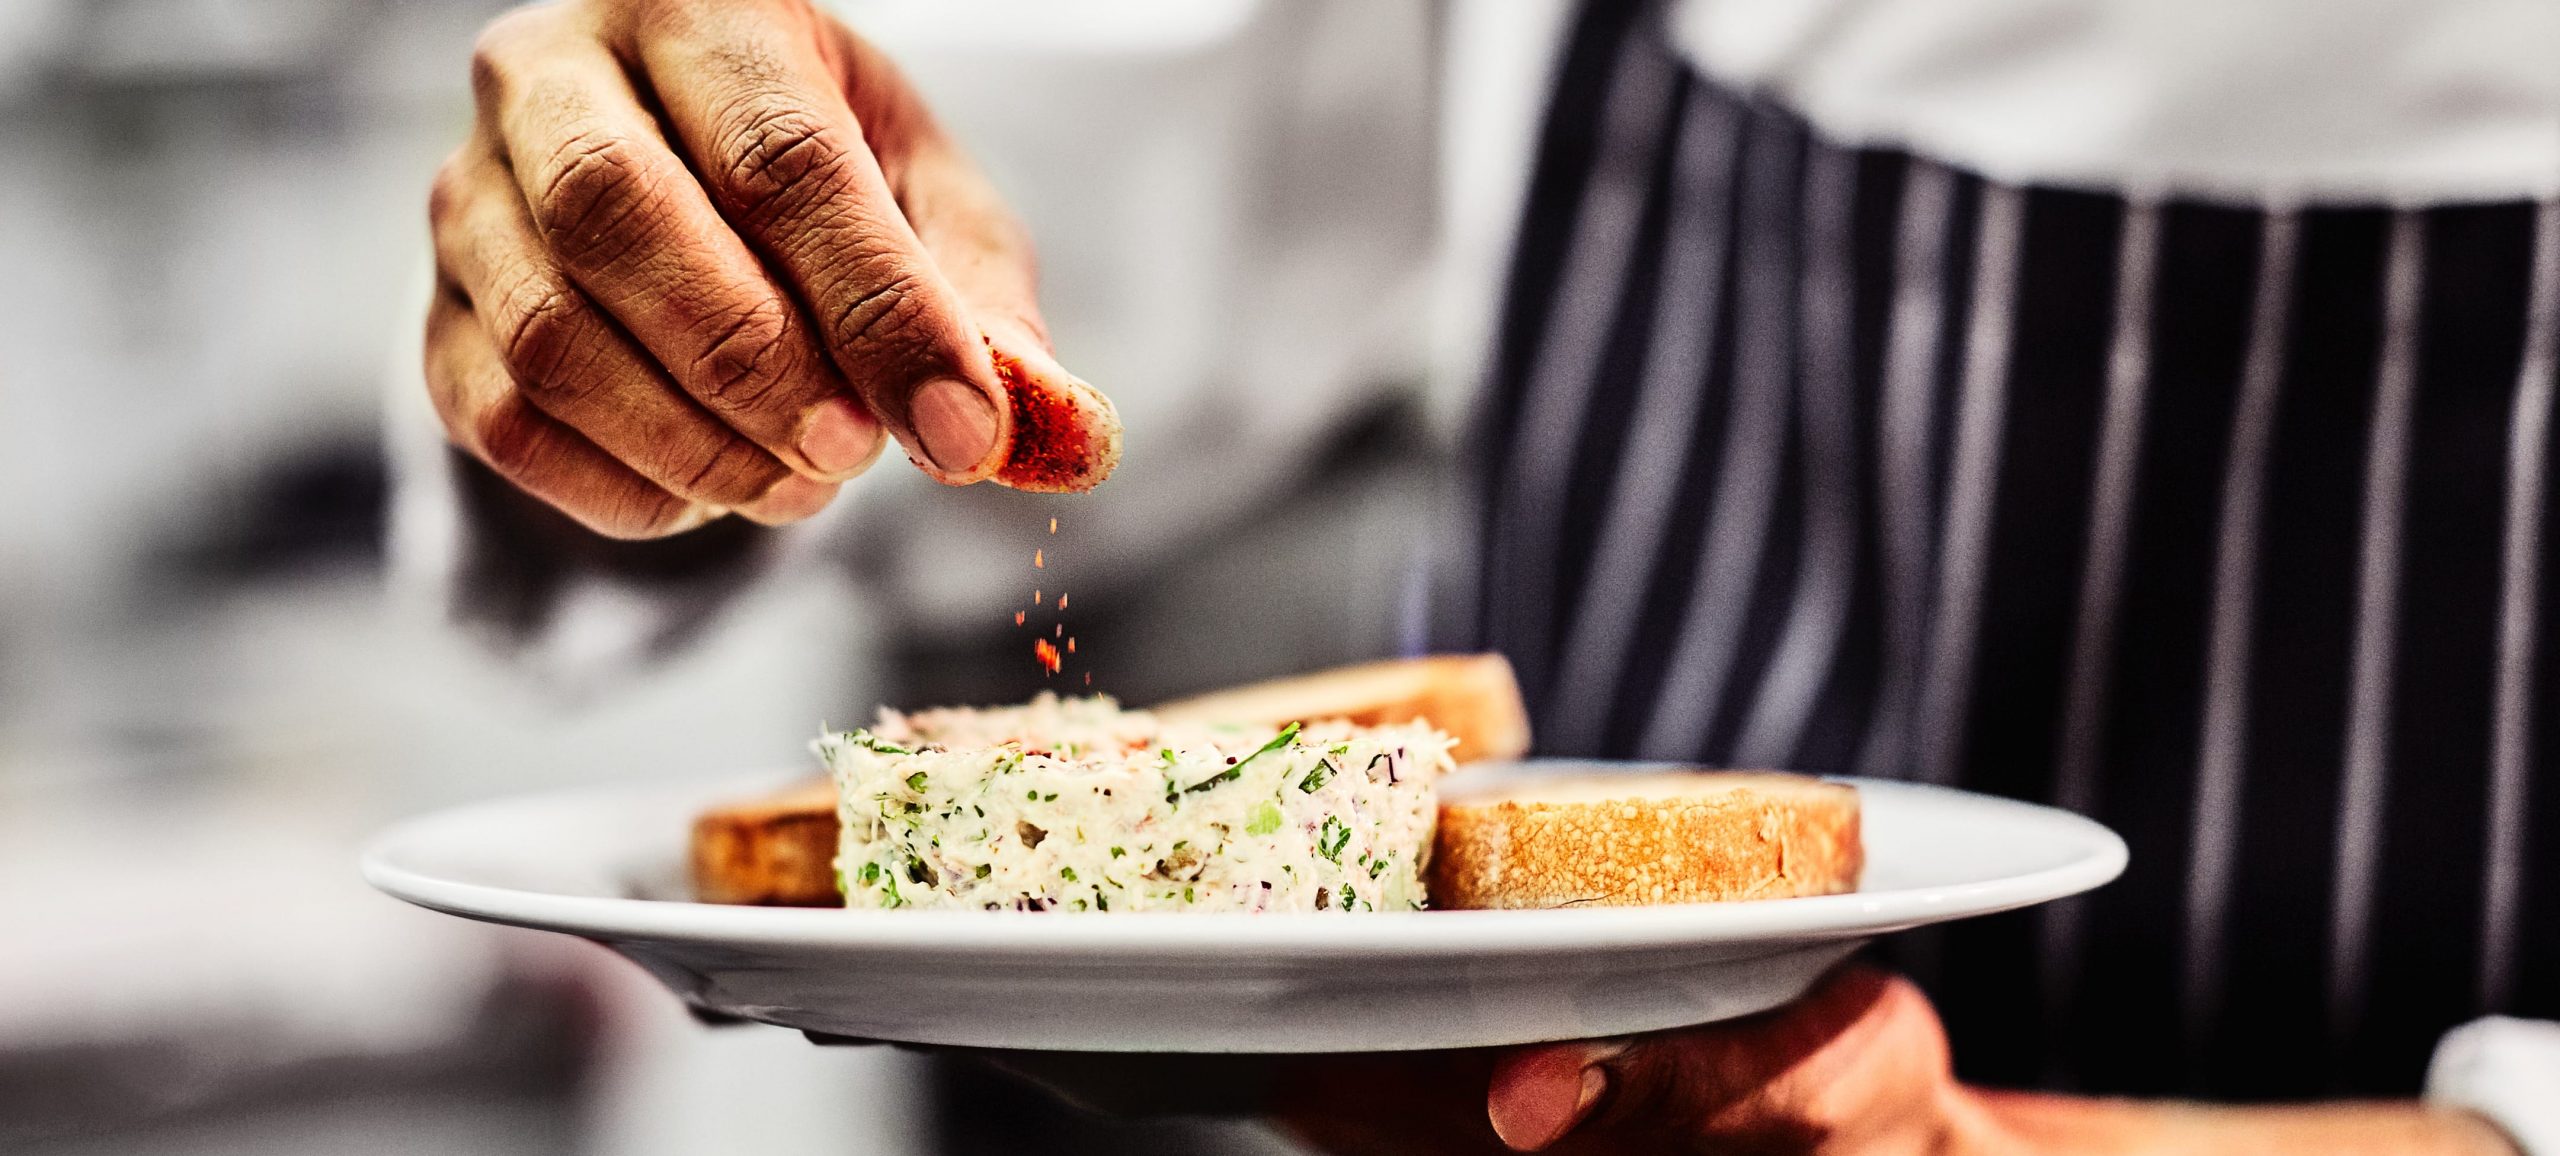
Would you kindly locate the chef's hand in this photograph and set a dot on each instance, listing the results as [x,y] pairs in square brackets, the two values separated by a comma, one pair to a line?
[707,255]
[1857,1068]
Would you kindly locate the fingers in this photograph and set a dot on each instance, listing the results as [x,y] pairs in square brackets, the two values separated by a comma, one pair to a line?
[574,364]
[1863,1038]
[1066,435]
[752,98]
[627,223]
[1539,1094]
[485,415]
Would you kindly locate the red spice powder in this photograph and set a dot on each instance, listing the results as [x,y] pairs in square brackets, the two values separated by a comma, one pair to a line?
[1047,654]
[1018,617]
[1052,451]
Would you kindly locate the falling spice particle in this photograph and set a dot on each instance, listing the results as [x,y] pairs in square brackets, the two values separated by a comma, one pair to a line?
[1047,654]
[1035,597]
[1058,631]
[1018,616]
[1088,678]
[1071,644]
[1036,562]
[1062,600]
[1053,525]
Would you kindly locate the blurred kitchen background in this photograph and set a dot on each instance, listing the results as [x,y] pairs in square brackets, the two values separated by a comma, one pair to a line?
[212,247]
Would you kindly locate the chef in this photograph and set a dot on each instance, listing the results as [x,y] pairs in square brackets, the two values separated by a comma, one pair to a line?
[2139,405]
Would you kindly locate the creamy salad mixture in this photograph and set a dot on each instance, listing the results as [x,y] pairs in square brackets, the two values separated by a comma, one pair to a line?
[1077,805]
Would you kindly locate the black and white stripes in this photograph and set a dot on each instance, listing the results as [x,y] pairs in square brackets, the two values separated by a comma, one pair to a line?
[2228,526]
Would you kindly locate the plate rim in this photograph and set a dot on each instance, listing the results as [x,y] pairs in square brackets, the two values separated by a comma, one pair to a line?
[1228,935]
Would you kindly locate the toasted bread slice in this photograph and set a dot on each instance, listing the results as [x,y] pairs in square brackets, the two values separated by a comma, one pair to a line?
[780,850]
[1472,698]
[1622,840]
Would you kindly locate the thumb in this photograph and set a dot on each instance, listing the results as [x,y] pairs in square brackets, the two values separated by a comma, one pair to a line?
[1732,1074]
[1065,435]
[1540,1093]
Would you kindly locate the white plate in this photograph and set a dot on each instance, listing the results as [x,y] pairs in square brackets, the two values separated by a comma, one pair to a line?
[607,864]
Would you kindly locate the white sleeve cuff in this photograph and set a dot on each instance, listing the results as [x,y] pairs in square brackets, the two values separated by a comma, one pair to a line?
[2507,1070]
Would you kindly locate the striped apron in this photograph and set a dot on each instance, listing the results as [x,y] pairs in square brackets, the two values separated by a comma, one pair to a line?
[2228,526]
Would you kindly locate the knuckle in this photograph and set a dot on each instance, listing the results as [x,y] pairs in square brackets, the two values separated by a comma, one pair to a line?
[593,198]
[728,472]
[746,356]
[499,44]
[637,512]
[513,440]
[541,331]
[446,194]
[889,312]
[778,156]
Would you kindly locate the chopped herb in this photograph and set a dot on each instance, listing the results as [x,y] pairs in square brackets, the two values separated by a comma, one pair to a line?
[1117,852]
[874,742]
[1187,896]
[870,874]
[1377,867]
[1349,897]
[1101,902]
[1287,734]
[1316,776]
[1051,797]
[1333,838]
[1080,905]
[1067,873]
[1168,755]
[1265,818]
[984,869]
[1339,749]
[982,811]
[1031,796]
[915,782]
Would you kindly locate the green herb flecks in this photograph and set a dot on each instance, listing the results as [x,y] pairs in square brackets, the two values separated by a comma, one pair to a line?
[915,782]
[1264,820]
[870,741]
[985,869]
[1067,873]
[1287,735]
[1316,777]
[1333,837]
[1349,897]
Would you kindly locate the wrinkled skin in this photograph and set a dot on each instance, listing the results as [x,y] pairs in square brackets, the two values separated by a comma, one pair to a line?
[1859,1067]
[701,256]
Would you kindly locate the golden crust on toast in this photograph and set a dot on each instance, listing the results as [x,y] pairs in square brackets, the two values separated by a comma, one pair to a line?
[1646,838]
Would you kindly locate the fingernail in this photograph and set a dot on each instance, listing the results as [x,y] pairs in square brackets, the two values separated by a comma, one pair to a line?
[840,436]
[1542,1098]
[956,423]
